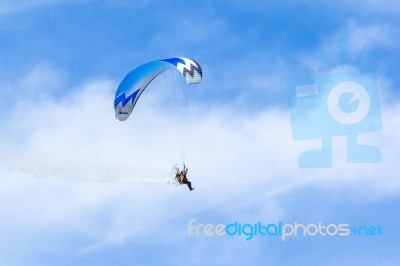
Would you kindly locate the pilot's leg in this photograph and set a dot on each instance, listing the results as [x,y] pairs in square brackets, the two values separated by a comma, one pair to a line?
[188,183]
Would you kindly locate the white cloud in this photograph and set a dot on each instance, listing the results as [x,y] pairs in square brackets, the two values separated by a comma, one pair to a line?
[363,38]
[351,46]
[241,165]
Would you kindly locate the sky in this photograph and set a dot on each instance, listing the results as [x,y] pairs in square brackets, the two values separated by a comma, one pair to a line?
[79,188]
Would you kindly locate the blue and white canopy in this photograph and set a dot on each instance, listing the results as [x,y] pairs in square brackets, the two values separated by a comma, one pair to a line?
[133,85]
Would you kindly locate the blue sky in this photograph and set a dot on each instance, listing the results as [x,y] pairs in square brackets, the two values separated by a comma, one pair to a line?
[60,64]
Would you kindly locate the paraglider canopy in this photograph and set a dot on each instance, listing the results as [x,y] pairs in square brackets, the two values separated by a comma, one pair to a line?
[133,85]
